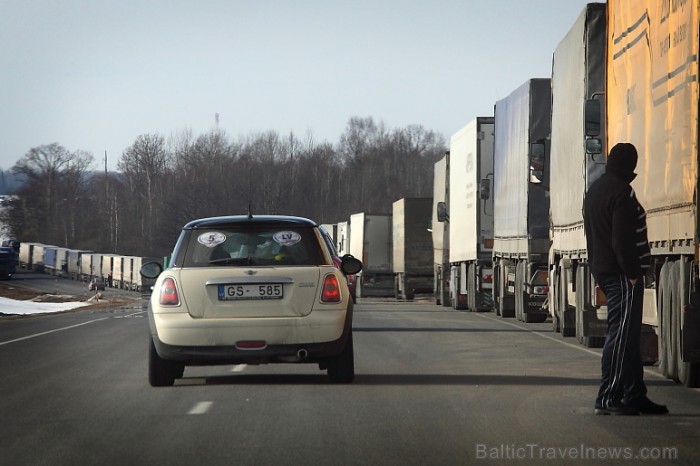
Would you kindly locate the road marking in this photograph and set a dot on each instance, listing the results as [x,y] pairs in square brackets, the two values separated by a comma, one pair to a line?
[570,345]
[130,315]
[51,331]
[239,367]
[201,408]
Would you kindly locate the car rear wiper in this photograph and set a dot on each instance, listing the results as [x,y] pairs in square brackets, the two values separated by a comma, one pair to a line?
[232,261]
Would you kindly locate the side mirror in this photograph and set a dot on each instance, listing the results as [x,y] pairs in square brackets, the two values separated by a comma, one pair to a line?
[594,146]
[485,188]
[537,152]
[151,269]
[442,215]
[349,265]
[592,113]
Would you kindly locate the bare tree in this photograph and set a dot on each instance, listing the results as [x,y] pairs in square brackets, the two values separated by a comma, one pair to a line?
[145,167]
[53,194]
[140,210]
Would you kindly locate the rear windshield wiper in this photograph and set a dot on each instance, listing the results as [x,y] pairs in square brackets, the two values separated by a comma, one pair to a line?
[232,261]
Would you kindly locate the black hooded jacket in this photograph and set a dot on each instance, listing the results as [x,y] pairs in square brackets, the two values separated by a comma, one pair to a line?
[615,222]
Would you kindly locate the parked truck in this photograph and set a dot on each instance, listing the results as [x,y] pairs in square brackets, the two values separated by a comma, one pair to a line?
[471,215]
[578,73]
[521,201]
[370,241]
[441,232]
[8,263]
[652,100]
[412,247]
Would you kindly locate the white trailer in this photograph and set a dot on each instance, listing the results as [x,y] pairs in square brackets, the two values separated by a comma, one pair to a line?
[342,242]
[90,266]
[370,241]
[412,246]
[112,267]
[440,232]
[471,215]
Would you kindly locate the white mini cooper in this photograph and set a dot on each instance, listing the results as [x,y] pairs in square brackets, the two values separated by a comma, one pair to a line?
[253,290]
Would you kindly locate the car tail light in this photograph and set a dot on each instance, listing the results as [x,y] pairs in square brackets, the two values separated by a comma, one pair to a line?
[168,293]
[331,289]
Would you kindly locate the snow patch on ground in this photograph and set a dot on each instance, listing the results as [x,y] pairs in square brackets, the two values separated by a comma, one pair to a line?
[14,307]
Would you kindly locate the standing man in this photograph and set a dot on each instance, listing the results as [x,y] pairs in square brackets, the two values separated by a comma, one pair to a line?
[619,255]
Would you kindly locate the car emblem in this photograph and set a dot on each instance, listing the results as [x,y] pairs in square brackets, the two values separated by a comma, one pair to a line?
[251,272]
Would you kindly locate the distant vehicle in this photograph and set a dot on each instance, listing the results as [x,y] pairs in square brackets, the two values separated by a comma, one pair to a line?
[370,239]
[467,213]
[8,262]
[521,202]
[96,284]
[266,291]
[412,247]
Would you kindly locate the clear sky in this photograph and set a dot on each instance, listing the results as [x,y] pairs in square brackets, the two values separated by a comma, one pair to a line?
[95,74]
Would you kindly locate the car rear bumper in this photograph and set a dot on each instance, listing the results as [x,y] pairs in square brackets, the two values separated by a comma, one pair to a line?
[179,337]
[216,355]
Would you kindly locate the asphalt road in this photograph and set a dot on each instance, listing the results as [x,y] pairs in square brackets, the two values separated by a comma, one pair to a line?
[433,387]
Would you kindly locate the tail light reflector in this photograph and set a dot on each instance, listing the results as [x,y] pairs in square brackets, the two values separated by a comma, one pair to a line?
[168,293]
[331,289]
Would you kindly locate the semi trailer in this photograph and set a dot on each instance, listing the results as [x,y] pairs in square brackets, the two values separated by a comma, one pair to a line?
[578,74]
[652,101]
[521,201]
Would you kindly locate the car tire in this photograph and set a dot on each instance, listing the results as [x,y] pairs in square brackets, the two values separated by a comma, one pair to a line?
[161,372]
[341,369]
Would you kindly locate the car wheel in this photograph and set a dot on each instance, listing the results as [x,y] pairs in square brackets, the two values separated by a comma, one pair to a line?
[161,372]
[341,369]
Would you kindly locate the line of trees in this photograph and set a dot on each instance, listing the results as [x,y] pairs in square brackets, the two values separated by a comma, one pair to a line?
[160,185]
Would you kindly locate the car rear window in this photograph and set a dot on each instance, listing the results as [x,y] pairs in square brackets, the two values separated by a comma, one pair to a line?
[253,245]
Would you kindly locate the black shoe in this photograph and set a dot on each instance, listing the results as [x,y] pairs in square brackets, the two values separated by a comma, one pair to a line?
[617,409]
[646,406]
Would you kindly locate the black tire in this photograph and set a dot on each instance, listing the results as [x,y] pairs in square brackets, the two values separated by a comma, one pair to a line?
[688,373]
[161,372]
[674,319]
[663,306]
[341,369]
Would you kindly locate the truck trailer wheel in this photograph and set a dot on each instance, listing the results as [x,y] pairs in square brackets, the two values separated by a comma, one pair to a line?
[663,308]
[688,373]
[568,312]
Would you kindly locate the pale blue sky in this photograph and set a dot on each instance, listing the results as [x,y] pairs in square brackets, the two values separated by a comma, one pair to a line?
[95,74]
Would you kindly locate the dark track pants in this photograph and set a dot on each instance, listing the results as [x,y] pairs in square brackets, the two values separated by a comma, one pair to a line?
[621,364]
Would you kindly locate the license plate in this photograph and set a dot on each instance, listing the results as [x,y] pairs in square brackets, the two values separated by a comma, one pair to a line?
[251,291]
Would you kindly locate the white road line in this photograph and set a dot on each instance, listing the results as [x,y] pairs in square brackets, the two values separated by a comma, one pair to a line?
[130,315]
[239,368]
[201,408]
[51,331]
[570,345]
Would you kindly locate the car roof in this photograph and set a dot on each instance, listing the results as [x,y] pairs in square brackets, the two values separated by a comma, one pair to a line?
[260,220]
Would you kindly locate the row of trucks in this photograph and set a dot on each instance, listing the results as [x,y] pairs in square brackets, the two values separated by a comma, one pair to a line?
[114,270]
[508,202]
[395,249]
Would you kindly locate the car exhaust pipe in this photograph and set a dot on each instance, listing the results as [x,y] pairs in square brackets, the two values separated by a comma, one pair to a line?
[302,354]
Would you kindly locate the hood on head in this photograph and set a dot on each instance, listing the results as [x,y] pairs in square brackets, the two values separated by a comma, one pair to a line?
[622,161]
